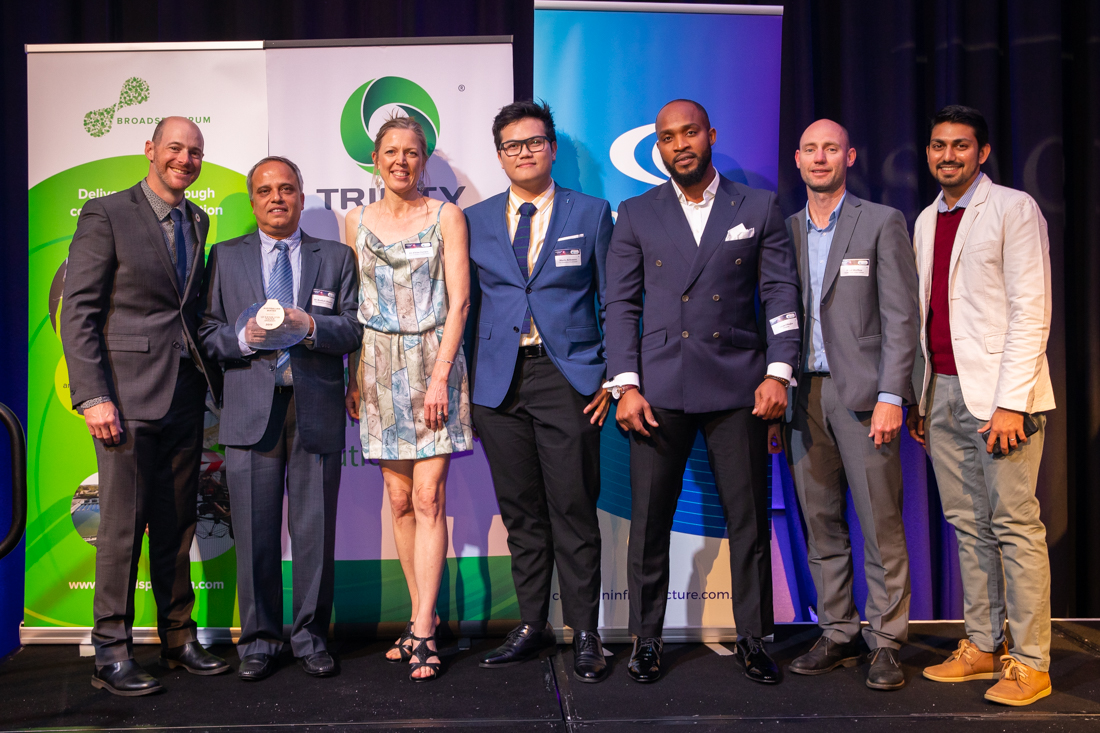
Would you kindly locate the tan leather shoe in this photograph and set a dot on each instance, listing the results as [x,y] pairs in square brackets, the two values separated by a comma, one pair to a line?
[967,662]
[1019,684]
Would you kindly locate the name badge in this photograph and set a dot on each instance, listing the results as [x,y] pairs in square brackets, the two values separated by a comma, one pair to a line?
[418,250]
[855,268]
[783,323]
[567,258]
[323,299]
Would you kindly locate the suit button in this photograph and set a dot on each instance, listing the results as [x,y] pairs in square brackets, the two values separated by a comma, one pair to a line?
[715,334]
[684,334]
[528,291]
[684,298]
[738,261]
[658,263]
[175,344]
[716,297]
[272,367]
[515,328]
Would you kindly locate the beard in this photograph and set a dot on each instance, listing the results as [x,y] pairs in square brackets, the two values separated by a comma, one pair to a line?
[693,176]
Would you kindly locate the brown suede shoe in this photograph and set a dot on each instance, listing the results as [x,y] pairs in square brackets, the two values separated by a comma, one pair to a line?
[967,662]
[1019,685]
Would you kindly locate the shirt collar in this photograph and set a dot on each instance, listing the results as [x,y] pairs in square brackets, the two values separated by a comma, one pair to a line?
[833,215]
[540,202]
[268,242]
[161,207]
[963,202]
[708,193]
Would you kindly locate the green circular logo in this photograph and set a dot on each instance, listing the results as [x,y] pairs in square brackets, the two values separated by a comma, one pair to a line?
[372,96]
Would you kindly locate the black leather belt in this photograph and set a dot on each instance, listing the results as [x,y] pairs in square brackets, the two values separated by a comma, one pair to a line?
[279,389]
[810,375]
[533,351]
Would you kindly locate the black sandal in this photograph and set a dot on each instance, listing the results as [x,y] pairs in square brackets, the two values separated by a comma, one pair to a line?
[422,653]
[404,651]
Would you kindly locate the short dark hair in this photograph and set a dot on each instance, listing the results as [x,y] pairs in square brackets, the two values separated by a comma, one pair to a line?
[963,115]
[523,109]
[272,159]
[692,102]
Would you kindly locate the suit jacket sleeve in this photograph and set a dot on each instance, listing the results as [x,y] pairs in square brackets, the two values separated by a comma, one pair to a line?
[898,308]
[1027,284]
[625,287]
[89,280]
[217,337]
[779,286]
[340,333]
[603,242]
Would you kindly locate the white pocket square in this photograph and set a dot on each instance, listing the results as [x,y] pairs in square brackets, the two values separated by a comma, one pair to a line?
[739,232]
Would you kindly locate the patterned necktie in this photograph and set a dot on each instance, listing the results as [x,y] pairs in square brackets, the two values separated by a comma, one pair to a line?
[181,248]
[280,285]
[521,242]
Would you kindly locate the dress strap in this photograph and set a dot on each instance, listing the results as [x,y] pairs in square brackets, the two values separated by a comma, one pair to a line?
[362,210]
[438,212]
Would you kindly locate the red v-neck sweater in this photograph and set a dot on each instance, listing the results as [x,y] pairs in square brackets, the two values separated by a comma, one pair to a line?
[939,324]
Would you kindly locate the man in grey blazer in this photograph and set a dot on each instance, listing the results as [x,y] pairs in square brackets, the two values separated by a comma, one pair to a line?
[282,417]
[128,328]
[859,300]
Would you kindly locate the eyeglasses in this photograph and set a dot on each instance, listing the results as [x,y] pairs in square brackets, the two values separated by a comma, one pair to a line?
[535,144]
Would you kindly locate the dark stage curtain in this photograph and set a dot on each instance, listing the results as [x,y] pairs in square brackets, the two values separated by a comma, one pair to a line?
[879,68]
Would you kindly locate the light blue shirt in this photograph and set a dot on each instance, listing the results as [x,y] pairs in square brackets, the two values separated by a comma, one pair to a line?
[268,253]
[818,244]
[962,203]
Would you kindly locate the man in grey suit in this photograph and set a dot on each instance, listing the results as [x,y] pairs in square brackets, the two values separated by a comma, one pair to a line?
[282,419]
[128,328]
[859,300]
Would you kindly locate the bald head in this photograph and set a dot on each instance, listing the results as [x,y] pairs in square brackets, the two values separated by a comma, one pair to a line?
[171,122]
[824,155]
[682,107]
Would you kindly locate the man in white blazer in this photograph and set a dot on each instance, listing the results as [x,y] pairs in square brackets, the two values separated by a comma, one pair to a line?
[985,299]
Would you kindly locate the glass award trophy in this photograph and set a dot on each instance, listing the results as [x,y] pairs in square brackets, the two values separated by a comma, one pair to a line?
[272,325]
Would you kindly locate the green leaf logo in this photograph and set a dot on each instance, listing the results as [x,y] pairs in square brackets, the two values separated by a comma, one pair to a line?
[378,93]
[97,123]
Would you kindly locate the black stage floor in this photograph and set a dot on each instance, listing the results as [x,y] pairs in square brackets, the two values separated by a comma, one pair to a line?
[46,688]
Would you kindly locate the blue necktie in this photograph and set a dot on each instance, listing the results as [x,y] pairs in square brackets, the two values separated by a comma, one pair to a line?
[181,248]
[521,242]
[280,285]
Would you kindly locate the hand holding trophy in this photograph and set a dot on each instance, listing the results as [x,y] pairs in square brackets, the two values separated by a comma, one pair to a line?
[272,325]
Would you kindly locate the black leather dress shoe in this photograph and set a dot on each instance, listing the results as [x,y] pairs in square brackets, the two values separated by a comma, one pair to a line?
[885,672]
[825,656]
[645,660]
[318,664]
[192,657]
[255,667]
[522,643]
[589,663]
[759,667]
[125,678]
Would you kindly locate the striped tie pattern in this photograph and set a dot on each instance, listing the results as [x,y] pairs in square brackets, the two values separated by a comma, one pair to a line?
[520,243]
[280,285]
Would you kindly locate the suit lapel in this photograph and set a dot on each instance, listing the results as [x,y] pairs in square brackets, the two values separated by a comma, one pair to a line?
[842,237]
[155,234]
[972,212]
[198,250]
[254,266]
[505,240]
[671,215]
[559,215]
[310,264]
[723,212]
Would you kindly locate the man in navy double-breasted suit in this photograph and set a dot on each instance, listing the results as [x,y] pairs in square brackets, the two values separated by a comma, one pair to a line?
[538,254]
[686,263]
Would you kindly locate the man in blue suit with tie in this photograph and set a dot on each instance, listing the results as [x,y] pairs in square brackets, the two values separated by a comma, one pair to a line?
[538,253]
[282,419]
[686,263]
